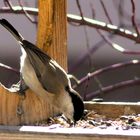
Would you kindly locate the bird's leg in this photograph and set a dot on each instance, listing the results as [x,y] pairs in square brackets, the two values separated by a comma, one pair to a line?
[23,87]
[22,97]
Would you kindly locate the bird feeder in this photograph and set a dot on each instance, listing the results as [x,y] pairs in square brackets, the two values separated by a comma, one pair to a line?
[52,38]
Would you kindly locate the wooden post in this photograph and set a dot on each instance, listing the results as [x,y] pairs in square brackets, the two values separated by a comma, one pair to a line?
[52,39]
[52,35]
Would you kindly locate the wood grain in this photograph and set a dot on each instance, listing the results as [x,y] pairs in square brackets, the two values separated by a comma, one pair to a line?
[34,108]
[52,32]
[54,133]
[50,133]
[114,109]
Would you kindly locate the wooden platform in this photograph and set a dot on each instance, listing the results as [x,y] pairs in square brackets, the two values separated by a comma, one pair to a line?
[55,133]
[114,109]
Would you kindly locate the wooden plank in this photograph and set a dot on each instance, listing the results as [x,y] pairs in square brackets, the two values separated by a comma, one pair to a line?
[45,133]
[54,132]
[114,109]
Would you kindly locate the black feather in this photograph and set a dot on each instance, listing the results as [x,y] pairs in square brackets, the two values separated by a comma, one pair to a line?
[10,28]
[77,104]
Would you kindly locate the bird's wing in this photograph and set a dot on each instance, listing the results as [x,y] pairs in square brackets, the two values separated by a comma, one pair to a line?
[51,75]
[54,79]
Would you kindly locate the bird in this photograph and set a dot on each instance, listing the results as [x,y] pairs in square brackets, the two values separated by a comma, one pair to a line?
[45,77]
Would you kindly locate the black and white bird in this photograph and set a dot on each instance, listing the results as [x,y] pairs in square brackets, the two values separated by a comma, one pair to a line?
[46,77]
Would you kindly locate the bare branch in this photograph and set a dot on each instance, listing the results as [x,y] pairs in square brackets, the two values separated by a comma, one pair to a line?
[9,68]
[79,7]
[103,26]
[92,50]
[93,10]
[26,13]
[9,4]
[116,46]
[105,11]
[18,10]
[77,19]
[95,78]
[120,10]
[105,69]
[123,14]
[134,18]
[123,84]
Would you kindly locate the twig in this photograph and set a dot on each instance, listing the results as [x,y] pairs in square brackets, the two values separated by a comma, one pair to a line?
[120,10]
[9,4]
[134,18]
[95,77]
[105,69]
[89,60]
[114,87]
[91,50]
[122,13]
[9,68]
[116,46]
[84,56]
[88,47]
[79,7]
[18,10]
[26,13]
[105,11]
[103,26]
[93,10]
[77,19]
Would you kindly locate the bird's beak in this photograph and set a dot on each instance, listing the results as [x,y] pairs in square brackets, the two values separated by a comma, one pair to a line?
[69,121]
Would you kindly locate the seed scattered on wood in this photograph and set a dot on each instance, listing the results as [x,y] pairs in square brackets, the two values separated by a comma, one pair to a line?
[92,119]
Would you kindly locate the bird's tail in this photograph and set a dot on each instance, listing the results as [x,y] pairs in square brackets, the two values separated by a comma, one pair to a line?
[12,30]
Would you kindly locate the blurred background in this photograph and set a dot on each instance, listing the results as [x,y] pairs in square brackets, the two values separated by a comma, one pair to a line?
[82,40]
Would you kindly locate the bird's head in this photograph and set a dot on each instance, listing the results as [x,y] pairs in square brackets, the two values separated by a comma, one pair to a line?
[77,106]
[70,104]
